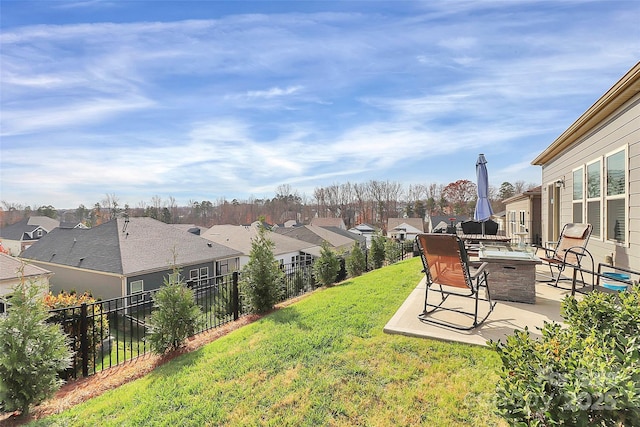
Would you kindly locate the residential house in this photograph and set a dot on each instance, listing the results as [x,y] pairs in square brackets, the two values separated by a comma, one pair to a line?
[239,237]
[402,229]
[328,222]
[19,236]
[440,223]
[337,238]
[591,174]
[365,230]
[125,256]
[524,220]
[13,271]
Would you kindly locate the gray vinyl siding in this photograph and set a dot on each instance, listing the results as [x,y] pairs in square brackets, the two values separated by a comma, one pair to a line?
[616,131]
[155,279]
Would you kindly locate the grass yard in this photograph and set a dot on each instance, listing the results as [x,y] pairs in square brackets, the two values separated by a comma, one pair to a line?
[321,361]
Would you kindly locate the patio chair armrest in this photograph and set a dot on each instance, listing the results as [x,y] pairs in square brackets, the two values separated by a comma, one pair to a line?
[578,251]
[479,270]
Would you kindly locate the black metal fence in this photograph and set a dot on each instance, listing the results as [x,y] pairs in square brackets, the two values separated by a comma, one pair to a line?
[108,333]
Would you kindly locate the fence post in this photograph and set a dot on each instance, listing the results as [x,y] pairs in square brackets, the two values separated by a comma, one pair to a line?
[236,297]
[84,340]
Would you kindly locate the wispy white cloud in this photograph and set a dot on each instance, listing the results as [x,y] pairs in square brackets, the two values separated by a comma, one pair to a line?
[232,104]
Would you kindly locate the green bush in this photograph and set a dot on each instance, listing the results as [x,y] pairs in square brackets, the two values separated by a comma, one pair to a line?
[262,280]
[356,262]
[326,268]
[376,252]
[392,251]
[32,351]
[175,317]
[585,374]
[97,323]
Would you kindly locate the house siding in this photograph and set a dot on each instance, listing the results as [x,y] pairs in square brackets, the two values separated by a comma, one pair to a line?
[100,285]
[620,129]
[155,280]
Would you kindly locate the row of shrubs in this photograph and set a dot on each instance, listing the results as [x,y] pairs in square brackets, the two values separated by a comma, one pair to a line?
[34,349]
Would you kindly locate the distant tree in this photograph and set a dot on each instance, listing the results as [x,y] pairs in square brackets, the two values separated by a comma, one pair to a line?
[262,279]
[166,216]
[82,213]
[461,194]
[408,210]
[506,190]
[420,209]
[48,211]
[327,266]
[112,205]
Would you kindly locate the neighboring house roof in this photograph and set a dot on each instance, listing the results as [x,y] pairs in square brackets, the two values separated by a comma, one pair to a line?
[24,229]
[436,219]
[72,224]
[402,223]
[537,191]
[625,89]
[316,235]
[126,246]
[365,228]
[328,222]
[12,268]
[239,238]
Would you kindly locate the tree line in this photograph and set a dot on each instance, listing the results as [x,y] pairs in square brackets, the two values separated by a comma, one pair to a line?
[371,202]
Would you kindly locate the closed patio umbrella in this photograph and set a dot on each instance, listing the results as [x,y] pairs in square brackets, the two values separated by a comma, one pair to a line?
[483,208]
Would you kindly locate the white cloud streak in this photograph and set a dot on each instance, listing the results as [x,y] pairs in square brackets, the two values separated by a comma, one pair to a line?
[238,104]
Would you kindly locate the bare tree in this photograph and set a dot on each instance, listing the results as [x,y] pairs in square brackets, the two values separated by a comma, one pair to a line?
[111,204]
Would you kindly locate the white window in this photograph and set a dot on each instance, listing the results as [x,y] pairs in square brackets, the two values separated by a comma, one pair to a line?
[136,286]
[204,273]
[578,195]
[616,195]
[193,274]
[594,197]
[174,277]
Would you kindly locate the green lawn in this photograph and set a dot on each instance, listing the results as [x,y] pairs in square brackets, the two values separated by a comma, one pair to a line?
[321,361]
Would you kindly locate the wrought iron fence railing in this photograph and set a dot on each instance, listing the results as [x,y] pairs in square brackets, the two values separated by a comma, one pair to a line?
[107,333]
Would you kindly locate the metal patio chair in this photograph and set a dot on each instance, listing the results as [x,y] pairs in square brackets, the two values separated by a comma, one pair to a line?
[569,251]
[448,272]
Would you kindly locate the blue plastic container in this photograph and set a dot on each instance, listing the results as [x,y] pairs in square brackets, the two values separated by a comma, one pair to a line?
[616,286]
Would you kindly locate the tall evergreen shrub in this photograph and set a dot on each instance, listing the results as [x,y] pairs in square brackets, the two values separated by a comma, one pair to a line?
[356,262]
[175,317]
[376,252]
[32,351]
[327,266]
[262,279]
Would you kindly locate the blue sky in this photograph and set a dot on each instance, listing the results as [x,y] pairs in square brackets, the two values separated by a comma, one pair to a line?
[210,99]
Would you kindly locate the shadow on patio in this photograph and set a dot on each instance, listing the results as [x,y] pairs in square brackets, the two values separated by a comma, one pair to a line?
[506,317]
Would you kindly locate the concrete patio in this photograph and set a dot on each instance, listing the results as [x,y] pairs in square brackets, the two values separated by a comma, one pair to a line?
[505,318]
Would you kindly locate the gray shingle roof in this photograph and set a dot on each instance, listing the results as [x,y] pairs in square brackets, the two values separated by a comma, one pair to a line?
[17,231]
[126,247]
[316,235]
[239,237]
[10,268]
